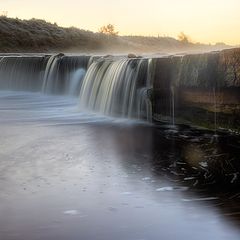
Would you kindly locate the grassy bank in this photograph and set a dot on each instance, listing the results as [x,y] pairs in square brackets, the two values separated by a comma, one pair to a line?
[37,35]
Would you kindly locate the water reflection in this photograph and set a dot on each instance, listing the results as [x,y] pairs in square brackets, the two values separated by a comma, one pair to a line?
[68,175]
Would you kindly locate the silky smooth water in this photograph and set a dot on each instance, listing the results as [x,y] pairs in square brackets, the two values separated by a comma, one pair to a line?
[67,174]
[114,87]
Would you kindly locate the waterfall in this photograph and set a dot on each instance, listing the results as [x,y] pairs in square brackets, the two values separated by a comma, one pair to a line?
[144,107]
[173,105]
[57,74]
[51,69]
[22,73]
[61,73]
[215,110]
[75,81]
[170,88]
[116,87]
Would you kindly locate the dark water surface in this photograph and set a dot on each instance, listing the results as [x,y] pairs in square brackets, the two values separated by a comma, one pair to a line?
[68,175]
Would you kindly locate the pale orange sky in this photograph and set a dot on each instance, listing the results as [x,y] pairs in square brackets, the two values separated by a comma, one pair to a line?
[207,21]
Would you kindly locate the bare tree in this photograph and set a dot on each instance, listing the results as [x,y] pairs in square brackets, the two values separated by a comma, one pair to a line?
[108,29]
[183,37]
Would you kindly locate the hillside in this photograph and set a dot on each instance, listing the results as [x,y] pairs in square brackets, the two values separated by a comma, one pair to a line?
[37,35]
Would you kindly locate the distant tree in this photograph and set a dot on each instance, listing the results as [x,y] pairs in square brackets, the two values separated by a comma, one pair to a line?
[183,37]
[108,29]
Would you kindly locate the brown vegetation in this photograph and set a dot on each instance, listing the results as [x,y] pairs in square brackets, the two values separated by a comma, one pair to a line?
[36,35]
[183,37]
[108,29]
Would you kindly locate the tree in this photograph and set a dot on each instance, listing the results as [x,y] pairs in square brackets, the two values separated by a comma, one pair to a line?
[183,37]
[108,29]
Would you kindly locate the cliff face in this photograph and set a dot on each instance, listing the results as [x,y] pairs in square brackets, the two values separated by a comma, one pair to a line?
[203,89]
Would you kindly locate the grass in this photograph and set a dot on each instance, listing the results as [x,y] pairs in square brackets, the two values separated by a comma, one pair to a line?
[37,35]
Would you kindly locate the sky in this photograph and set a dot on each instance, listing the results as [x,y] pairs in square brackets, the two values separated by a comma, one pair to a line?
[205,21]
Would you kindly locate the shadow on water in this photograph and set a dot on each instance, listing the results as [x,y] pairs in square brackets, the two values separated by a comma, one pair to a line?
[65,174]
[196,161]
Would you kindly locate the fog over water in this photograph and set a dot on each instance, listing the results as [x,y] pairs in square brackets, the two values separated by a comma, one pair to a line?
[69,174]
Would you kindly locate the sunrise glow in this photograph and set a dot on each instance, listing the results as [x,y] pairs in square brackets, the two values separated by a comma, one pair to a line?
[204,21]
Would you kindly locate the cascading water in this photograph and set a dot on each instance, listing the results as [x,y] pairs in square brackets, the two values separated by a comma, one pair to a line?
[75,81]
[113,86]
[144,106]
[120,86]
[63,73]
[173,105]
[57,74]
[22,73]
[51,69]
[117,87]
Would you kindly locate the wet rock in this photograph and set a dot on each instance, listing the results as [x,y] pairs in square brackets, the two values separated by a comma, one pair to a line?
[132,55]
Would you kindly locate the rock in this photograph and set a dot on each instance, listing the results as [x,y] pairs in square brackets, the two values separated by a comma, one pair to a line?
[132,55]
